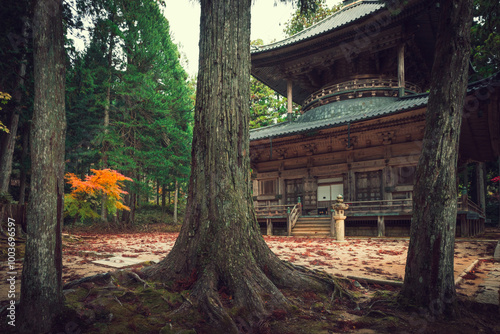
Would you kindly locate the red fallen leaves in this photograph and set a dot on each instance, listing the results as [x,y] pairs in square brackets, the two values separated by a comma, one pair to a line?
[186,283]
[470,276]
[224,293]
[306,254]
[318,263]
[322,253]
[130,255]
[279,314]
[389,252]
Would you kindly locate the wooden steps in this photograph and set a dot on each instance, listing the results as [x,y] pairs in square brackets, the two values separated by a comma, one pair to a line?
[312,227]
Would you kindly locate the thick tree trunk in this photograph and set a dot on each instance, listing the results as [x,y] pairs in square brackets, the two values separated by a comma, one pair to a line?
[429,278]
[41,292]
[220,242]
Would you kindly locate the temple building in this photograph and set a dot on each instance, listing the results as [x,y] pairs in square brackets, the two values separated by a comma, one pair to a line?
[361,77]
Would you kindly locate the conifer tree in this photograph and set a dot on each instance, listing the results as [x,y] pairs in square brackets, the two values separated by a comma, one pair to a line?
[137,97]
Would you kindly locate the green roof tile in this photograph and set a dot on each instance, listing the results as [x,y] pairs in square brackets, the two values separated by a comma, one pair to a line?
[343,112]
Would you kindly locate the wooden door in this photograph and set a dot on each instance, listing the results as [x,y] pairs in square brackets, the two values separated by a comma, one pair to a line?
[294,190]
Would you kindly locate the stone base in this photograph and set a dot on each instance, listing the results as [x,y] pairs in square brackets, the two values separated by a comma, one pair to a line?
[496,256]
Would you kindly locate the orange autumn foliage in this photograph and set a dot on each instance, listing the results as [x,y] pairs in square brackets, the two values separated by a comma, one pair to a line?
[102,182]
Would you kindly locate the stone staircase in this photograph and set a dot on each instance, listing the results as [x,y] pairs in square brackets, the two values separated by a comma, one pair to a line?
[312,226]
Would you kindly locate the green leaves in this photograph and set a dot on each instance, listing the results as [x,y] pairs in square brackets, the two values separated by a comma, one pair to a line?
[485,37]
[132,68]
[306,16]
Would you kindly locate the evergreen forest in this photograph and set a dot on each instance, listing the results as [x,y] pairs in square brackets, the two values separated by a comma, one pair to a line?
[129,106]
[113,136]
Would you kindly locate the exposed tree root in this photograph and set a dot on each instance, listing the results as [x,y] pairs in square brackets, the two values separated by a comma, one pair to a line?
[98,278]
[136,277]
[239,301]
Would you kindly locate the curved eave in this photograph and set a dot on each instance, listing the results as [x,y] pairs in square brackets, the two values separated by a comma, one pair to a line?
[480,131]
[339,20]
[332,39]
[303,127]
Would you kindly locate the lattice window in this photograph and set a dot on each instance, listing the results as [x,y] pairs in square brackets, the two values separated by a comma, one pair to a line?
[369,186]
[267,187]
[294,190]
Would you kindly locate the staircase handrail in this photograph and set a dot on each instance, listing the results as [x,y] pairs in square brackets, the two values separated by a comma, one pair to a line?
[293,216]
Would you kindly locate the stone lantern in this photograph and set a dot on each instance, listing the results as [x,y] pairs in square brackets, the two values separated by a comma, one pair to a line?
[338,218]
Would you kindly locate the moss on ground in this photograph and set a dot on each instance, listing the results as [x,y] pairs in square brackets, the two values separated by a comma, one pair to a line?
[125,304]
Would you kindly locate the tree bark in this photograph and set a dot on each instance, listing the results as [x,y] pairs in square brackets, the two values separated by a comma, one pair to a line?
[163,195]
[157,192]
[41,292]
[220,244]
[176,197]
[429,278]
[104,198]
[23,176]
[10,138]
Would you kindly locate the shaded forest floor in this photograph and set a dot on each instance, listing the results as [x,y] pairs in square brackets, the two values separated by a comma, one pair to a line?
[118,301]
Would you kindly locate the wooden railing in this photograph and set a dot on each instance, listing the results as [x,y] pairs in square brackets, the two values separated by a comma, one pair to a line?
[272,210]
[293,216]
[357,85]
[380,206]
[395,206]
[465,204]
[401,206]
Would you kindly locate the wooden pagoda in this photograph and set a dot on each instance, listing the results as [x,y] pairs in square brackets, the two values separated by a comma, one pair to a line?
[360,77]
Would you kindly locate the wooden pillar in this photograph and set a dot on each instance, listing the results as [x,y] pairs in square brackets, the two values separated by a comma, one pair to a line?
[387,182]
[463,226]
[351,183]
[289,97]
[332,226]
[255,187]
[401,69]
[281,190]
[466,180]
[380,226]
[481,191]
[288,225]
[269,225]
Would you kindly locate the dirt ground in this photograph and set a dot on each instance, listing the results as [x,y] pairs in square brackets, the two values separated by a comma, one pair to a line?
[376,258]
[119,304]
